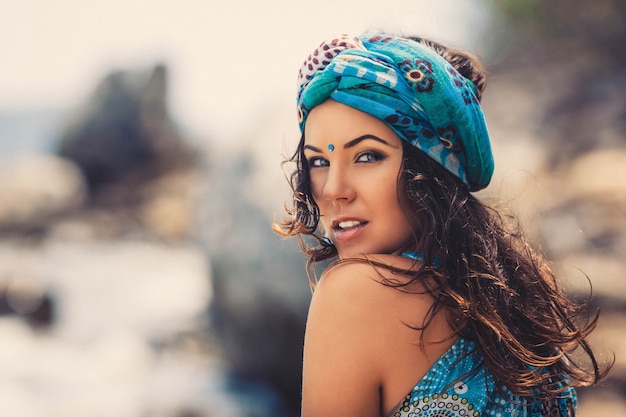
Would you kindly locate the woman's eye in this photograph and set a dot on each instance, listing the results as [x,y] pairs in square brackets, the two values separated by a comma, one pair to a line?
[317,162]
[369,157]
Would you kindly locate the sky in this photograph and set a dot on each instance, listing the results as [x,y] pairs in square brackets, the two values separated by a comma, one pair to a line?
[226,59]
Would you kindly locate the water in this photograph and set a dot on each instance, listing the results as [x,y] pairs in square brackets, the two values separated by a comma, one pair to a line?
[127,338]
[30,131]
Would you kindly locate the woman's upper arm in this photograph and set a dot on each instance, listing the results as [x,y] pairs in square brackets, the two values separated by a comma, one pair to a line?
[341,375]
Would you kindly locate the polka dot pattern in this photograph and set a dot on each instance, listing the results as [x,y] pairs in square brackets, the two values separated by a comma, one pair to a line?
[323,55]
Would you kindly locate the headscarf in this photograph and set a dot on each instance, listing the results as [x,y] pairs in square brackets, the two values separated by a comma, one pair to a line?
[411,88]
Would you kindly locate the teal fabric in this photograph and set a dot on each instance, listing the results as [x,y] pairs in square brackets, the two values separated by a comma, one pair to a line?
[457,385]
[412,89]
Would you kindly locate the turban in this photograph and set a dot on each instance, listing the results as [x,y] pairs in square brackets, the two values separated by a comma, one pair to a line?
[411,88]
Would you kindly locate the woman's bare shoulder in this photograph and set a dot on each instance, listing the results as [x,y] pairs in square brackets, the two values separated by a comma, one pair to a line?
[354,322]
[372,273]
[348,324]
[365,289]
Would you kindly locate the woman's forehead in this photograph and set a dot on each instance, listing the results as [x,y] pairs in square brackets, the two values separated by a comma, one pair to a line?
[339,122]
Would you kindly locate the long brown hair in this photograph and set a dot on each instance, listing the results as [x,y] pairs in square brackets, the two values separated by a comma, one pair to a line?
[500,291]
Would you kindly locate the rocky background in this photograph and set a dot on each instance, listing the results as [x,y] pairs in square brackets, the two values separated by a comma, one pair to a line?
[139,275]
[557,106]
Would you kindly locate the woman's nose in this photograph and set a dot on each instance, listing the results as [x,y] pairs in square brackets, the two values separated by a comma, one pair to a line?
[338,186]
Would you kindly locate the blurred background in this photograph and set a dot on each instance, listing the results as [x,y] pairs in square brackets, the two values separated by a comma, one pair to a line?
[140,151]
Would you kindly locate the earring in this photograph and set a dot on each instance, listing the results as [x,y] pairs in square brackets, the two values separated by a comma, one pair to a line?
[331,147]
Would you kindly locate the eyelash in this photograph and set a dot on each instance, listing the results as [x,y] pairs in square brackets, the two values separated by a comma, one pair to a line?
[376,156]
[312,162]
[316,162]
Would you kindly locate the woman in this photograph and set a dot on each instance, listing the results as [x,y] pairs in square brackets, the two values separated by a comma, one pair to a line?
[435,306]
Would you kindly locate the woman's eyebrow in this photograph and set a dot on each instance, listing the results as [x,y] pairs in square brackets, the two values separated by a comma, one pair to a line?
[360,139]
[313,148]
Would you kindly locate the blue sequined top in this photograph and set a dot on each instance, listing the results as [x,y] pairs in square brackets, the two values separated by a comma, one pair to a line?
[457,385]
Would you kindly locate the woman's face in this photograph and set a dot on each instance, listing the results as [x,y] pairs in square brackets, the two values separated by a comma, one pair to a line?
[354,160]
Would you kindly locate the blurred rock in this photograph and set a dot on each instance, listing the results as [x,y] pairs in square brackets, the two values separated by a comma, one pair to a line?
[124,137]
[168,204]
[92,224]
[600,175]
[142,176]
[261,292]
[565,54]
[564,95]
[128,337]
[164,209]
[584,205]
[36,189]
[25,298]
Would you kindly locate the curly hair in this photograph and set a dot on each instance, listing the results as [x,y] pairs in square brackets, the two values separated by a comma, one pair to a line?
[500,291]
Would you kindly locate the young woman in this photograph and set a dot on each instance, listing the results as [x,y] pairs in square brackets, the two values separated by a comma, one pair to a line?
[435,306]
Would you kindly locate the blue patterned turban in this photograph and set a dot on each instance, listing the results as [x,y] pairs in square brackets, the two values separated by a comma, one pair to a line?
[412,89]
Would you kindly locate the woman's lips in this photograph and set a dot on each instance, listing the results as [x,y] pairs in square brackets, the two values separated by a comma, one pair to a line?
[347,229]
[347,224]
